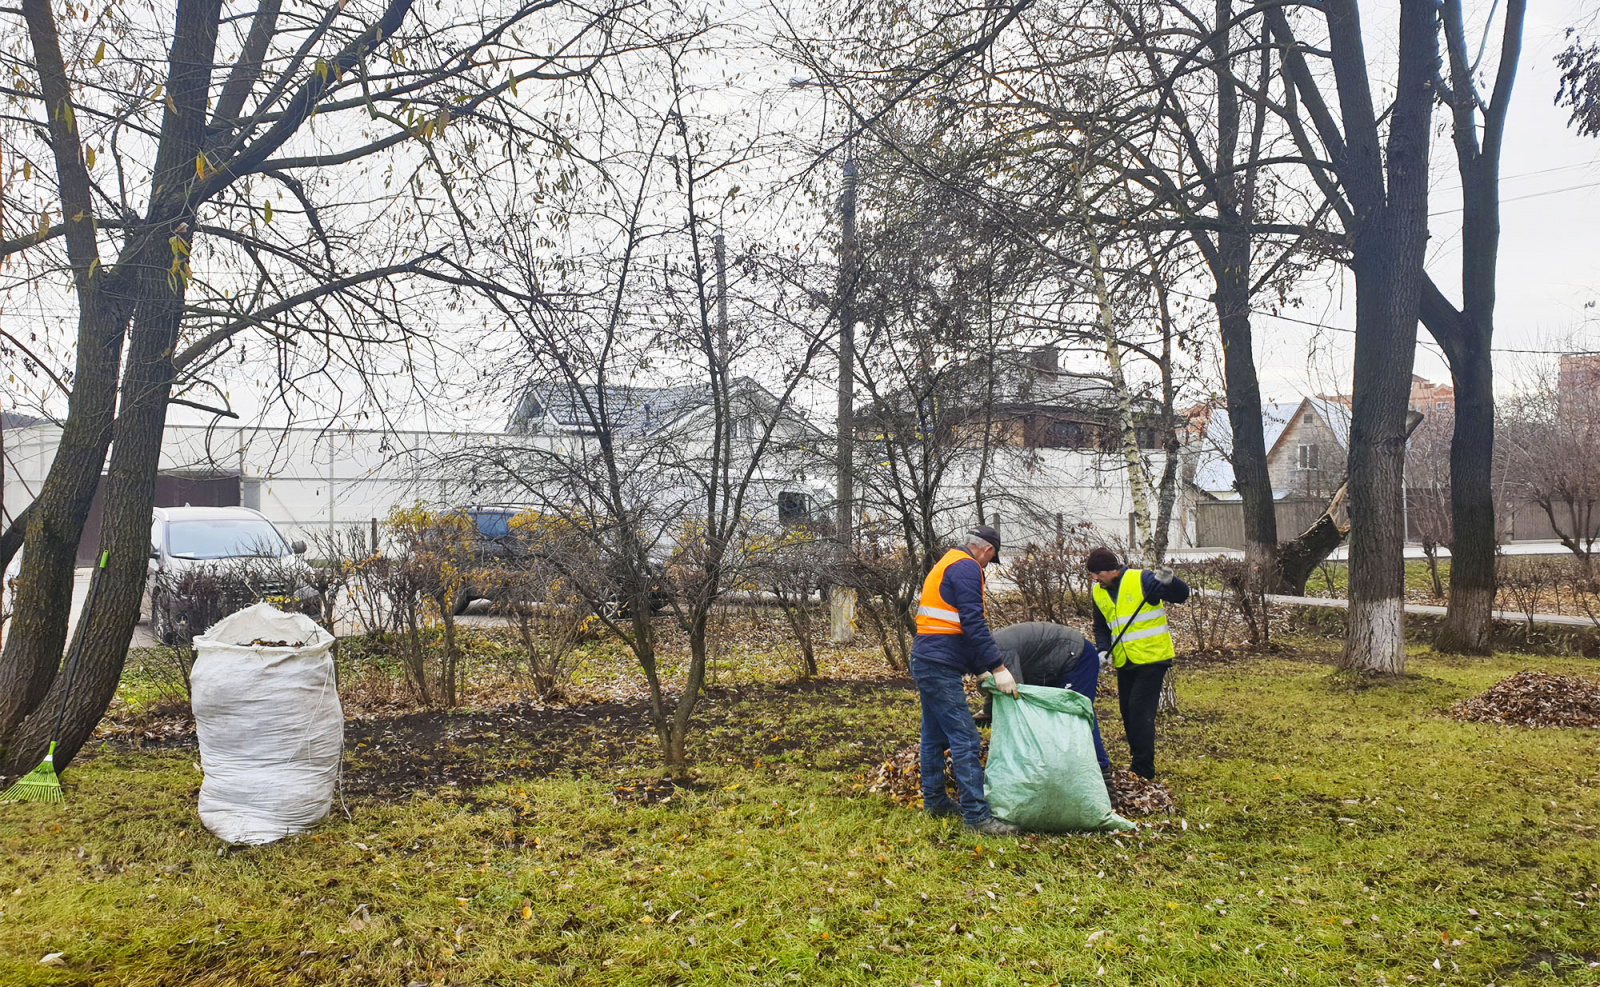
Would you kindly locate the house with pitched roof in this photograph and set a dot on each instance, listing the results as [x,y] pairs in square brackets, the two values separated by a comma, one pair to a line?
[1307,444]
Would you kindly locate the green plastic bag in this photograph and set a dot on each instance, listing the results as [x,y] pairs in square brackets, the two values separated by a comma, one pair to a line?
[1042,774]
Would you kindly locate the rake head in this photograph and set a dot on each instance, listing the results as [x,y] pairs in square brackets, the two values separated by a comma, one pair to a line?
[38,785]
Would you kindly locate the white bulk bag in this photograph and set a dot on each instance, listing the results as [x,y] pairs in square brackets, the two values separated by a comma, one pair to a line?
[270,725]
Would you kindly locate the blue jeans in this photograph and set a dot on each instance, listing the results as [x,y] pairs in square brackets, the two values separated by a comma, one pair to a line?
[947,723]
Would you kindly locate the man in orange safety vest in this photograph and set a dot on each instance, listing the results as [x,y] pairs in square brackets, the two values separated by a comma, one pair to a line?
[953,641]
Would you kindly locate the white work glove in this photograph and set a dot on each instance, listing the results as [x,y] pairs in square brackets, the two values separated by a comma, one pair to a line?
[1163,575]
[1003,680]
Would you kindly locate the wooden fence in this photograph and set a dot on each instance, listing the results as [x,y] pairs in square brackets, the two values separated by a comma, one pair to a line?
[1220,524]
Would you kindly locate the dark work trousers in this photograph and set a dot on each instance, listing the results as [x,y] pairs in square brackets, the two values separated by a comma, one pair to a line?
[1084,679]
[1138,695]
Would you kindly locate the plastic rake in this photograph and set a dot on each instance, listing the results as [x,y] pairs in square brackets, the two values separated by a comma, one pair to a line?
[38,785]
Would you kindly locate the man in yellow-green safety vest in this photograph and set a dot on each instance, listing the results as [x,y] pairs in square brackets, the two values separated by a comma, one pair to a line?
[1130,625]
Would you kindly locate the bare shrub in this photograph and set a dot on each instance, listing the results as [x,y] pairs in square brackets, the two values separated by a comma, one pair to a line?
[1585,590]
[540,593]
[887,581]
[1528,580]
[1247,594]
[1208,618]
[793,568]
[1051,579]
[415,588]
[337,556]
[184,602]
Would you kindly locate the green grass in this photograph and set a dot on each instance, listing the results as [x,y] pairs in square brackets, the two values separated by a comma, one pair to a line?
[1339,832]
[1333,578]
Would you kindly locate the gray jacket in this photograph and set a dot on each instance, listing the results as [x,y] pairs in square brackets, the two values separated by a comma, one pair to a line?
[1038,652]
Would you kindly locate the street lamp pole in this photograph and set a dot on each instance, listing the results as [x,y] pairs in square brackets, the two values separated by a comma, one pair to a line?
[842,599]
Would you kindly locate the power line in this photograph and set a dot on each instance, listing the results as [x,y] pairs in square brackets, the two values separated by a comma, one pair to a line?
[1530,195]
[1492,349]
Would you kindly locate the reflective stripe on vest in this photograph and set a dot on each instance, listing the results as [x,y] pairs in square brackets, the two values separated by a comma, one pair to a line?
[1143,635]
[935,615]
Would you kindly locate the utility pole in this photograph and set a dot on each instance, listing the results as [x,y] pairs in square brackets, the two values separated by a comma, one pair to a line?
[842,599]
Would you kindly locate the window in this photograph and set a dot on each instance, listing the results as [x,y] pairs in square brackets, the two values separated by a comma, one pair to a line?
[1441,405]
[1065,435]
[792,509]
[1308,419]
[225,538]
[1308,457]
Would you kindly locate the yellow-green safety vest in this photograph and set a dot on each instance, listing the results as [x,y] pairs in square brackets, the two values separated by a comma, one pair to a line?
[1144,637]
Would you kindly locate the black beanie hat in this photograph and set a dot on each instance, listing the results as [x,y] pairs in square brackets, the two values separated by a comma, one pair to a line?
[1102,559]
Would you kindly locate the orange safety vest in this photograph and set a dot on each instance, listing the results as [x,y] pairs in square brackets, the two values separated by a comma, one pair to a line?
[934,614]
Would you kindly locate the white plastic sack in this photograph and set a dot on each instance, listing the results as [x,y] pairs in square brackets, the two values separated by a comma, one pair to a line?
[271,730]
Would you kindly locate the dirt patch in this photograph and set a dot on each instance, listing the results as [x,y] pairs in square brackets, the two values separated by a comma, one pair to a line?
[899,777]
[1560,964]
[817,722]
[1535,699]
[389,757]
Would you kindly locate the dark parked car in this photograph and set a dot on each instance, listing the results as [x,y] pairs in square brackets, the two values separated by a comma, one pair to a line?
[497,544]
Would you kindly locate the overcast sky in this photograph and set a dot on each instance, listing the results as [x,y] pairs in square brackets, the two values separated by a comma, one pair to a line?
[1548,259]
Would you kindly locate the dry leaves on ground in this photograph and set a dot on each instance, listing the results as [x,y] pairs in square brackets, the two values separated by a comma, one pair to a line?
[1135,796]
[1535,699]
[900,778]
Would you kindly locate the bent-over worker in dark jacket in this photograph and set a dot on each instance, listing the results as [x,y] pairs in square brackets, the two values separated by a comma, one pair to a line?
[1041,653]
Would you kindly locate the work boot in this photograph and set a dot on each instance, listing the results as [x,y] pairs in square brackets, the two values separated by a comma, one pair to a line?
[1108,775]
[949,810]
[994,827]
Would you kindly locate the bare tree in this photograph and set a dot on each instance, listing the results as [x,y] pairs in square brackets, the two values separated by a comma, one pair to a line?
[1466,333]
[174,250]
[1382,175]
[1428,492]
[1106,123]
[1553,434]
[635,430]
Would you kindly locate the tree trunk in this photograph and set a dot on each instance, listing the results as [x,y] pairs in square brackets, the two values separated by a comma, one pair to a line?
[106,629]
[1466,336]
[1249,452]
[156,296]
[1299,558]
[1128,437]
[1469,622]
[678,742]
[1390,240]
